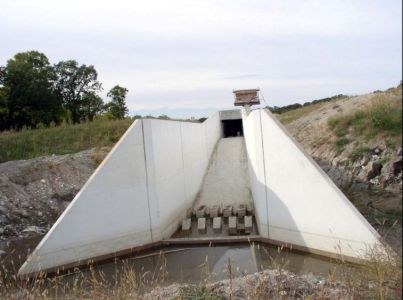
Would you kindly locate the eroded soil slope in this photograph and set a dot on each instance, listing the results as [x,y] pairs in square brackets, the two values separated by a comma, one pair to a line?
[365,162]
[33,193]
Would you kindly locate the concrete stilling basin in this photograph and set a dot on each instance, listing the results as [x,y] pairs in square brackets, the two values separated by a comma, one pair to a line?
[237,176]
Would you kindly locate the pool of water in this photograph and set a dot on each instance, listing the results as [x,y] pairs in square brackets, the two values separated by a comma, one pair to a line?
[190,264]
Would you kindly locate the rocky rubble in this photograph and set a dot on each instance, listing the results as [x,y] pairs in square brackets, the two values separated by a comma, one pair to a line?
[33,193]
[268,284]
[363,165]
[380,168]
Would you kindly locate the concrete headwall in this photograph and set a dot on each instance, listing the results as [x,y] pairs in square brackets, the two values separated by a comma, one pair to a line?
[296,202]
[137,195]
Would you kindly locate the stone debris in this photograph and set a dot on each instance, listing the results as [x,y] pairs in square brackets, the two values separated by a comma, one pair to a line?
[269,284]
[34,229]
[34,192]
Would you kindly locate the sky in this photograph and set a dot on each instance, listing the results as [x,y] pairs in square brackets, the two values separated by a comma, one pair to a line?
[184,58]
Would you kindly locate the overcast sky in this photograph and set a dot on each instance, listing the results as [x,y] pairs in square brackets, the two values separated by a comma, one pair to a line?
[184,58]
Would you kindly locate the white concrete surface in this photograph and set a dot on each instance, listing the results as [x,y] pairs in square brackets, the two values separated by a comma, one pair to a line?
[295,201]
[149,182]
[227,179]
[139,194]
[234,114]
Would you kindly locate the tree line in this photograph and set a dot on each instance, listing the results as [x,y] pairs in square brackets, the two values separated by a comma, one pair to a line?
[283,109]
[34,92]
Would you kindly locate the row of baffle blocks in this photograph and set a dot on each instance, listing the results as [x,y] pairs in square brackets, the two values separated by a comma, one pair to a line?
[236,225]
[227,211]
[240,219]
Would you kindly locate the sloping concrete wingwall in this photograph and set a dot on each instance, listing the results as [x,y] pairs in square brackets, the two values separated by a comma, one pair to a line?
[296,202]
[180,153]
[136,196]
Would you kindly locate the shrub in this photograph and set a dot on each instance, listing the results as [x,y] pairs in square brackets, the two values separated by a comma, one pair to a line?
[386,117]
[358,153]
[382,117]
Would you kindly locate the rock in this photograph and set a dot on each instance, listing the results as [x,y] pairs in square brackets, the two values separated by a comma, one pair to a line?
[373,169]
[375,157]
[9,230]
[2,252]
[377,151]
[397,167]
[365,160]
[23,213]
[342,162]
[399,151]
[374,181]
[34,229]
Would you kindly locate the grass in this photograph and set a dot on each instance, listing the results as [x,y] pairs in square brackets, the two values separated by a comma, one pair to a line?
[358,153]
[30,143]
[382,271]
[293,115]
[383,117]
[341,143]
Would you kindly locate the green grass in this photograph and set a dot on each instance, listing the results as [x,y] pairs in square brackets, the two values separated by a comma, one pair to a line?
[341,143]
[383,117]
[295,114]
[63,139]
[358,153]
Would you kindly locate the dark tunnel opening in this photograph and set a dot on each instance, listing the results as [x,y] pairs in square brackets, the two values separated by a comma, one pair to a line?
[232,128]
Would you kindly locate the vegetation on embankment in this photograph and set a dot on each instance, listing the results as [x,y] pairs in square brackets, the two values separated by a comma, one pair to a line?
[382,118]
[292,115]
[295,106]
[63,139]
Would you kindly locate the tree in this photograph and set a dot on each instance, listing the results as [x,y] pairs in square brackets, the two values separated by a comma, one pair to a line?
[78,86]
[91,105]
[3,108]
[27,93]
[117,106]
[3,100]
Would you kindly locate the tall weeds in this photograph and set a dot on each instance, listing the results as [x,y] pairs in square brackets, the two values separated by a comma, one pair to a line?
[27,143]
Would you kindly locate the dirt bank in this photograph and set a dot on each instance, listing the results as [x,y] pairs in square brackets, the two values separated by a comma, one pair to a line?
[33,193]
[276,284]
